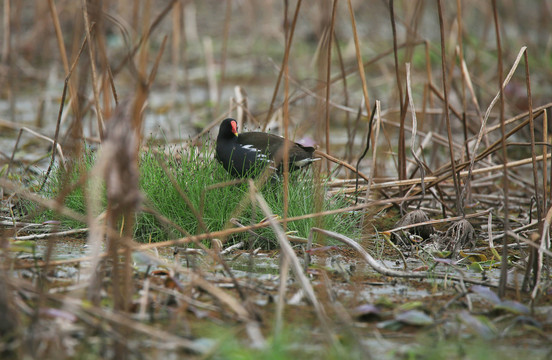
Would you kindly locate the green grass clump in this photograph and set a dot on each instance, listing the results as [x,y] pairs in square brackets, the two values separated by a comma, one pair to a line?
[64,179]
[195,170]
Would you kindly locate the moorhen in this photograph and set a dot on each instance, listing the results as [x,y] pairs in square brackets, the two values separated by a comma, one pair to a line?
[244,155]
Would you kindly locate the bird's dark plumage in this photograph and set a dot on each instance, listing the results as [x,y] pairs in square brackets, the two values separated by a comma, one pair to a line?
[244,155]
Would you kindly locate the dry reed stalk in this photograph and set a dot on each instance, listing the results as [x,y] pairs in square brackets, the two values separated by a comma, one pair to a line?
[62,50]
[145,33]
[176,46]
[359,60]
[342,163]
[434,180]
[118,166]
[460,47]
[370,123]
[424,145]
[67,84]
[401,142]
[473,97]
[534,264]
[459,202]
[414,129]
[397,273]
[374,152]
[505,182]
[540,250]
[91,54]
[6,33]
[230,231]
[486,152]
[544,161]
[328,75]
[350,132]
[285,118]
[8,59]
[224,50]
[50,234]
[282,287]
[289,40]
[287,251]
[348,72]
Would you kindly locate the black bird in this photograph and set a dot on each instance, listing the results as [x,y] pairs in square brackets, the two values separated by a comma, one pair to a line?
[244,155]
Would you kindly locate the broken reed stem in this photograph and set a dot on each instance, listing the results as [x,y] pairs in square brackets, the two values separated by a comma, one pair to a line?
[505,182]
[459,202]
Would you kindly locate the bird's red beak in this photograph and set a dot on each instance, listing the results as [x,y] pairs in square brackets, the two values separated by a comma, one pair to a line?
[235,128]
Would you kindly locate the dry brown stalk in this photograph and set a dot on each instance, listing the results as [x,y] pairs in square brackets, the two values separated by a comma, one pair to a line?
[289,40]
[459,200]
[99,111]
[401,142]
[359,60]
[343,163]
[431,180]
[288,252]
[505,182]
[396,273]
[534,265]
